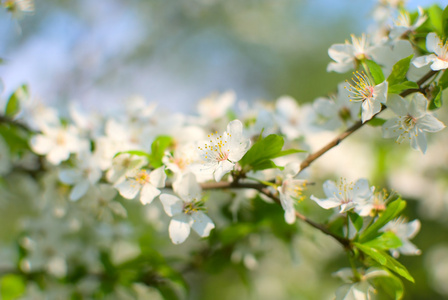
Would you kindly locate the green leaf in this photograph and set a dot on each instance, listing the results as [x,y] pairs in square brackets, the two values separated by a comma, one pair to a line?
[265,164]
[133,152]
[375,122]
[386,260]
[387,240]
[393,210]
[236,232]
[158,147]
[372,252]
[356,220]
[12,286]
[13,105]
[443,80]
[375,71]
[435,17]
[400,87]
[399,71]
[445,23]
[287,152]
[264,149]
[390,285]
[438,98]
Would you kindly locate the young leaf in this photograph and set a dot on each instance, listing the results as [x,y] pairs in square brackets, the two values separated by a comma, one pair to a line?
[386,260]
[435,17]
[287,152]
[391,285]
[375,122]
[445,23]
[12,286]
[400,87]
[388,240]
[375,71]
[356,220]
[158,147]
[134,152]
[264,149]
[399,71]
[13,105]
[393,209]
[443,80]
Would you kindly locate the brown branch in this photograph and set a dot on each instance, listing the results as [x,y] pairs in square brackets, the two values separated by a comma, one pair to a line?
[312,157]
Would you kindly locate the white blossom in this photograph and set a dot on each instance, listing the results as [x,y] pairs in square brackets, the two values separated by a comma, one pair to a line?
[412,121]
[187,211]
[439,60]
[222,152]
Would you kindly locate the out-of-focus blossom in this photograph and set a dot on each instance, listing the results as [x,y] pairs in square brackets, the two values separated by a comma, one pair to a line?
[358,287]
[57,143]
[439,60]
[187,211]
[404,231]
[403,25]
[346,195]
[143,182]
[412,122]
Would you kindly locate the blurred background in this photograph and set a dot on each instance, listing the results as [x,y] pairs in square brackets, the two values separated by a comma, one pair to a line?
[173,53]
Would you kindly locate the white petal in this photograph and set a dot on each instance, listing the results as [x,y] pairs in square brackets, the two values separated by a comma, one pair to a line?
[79,190]
[421,61]
[391,128]
[421,141]
[68,176]
[58,154]
[430,124]
[223,168]
[41,144]
[179,228]
[432,42]
[129,188]
[330,188]
[397,104]
[326,203]
[202,224]
[171,204]
[380,92]
[288,207]
[187,187]
[158,177]
[148,193]
[439,64]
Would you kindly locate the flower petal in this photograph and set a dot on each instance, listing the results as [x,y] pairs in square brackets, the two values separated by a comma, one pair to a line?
[179,228]
[128,188]
[157,177]
[202,224]
[171,204]
[148,193]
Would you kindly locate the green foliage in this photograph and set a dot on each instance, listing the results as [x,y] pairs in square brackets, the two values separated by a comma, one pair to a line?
[445,23]
[356,220]
[158,147]
[13,104]
[387,240]
[16,138]
[260,155]
[392,211]
[385,260]
[435,18]
[399,70]
[375,122]
[12,286]
[400,87]
[375,71]
[391,285]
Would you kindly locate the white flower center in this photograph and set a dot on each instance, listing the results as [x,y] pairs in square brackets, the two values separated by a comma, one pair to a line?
[218,149]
